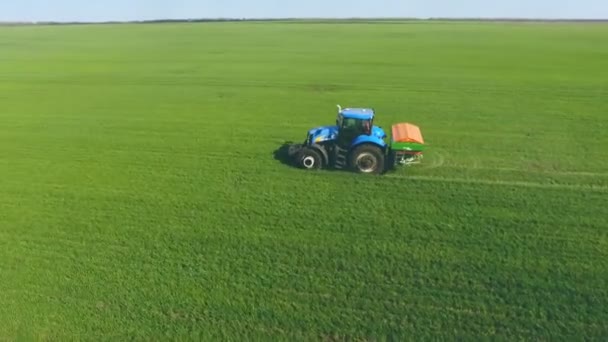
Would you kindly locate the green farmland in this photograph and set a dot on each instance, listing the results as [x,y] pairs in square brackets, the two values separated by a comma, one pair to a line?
[140,197]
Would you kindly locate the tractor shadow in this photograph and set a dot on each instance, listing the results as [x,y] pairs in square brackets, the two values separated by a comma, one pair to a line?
[281,154]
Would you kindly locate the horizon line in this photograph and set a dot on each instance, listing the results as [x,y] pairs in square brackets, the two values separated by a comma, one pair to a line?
[224,19]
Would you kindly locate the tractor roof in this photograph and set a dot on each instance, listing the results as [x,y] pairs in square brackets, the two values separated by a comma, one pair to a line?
[358,113]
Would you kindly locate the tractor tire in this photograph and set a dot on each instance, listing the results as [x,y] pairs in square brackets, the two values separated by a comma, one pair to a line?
[367,159]
[310,159]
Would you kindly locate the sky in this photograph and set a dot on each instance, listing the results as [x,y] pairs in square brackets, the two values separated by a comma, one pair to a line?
[124,10]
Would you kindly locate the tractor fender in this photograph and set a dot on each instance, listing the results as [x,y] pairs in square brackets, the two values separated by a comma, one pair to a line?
[369,139]
[323,152]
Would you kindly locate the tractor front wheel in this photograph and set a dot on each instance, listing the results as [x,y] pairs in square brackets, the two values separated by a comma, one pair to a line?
[367,159]
[310,159]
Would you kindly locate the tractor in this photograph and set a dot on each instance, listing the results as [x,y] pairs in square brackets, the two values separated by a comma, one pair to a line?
[354,143]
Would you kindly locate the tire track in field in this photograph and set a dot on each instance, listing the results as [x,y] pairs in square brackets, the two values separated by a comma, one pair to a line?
[593,188]
[434,160]
[549,172]
[437,159]
[475,166]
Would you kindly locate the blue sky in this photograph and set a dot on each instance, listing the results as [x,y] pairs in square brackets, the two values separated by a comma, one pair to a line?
[102,10]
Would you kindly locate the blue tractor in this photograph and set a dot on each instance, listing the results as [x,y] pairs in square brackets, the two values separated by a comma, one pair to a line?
[355,143]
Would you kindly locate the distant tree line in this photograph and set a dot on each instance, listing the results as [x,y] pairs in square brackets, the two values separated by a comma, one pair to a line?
[204,20]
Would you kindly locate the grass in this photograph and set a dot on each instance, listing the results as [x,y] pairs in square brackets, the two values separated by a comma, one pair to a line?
[139,196]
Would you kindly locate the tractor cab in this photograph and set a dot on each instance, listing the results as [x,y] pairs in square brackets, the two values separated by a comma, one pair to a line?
[353,122]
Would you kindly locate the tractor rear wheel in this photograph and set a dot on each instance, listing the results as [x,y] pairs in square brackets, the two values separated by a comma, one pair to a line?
[310,159]
[367,159]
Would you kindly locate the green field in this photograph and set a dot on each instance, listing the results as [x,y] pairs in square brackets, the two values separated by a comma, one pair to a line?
[140,198]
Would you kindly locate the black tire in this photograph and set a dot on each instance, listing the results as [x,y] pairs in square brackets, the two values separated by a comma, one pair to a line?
[367,159]
[310,159]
